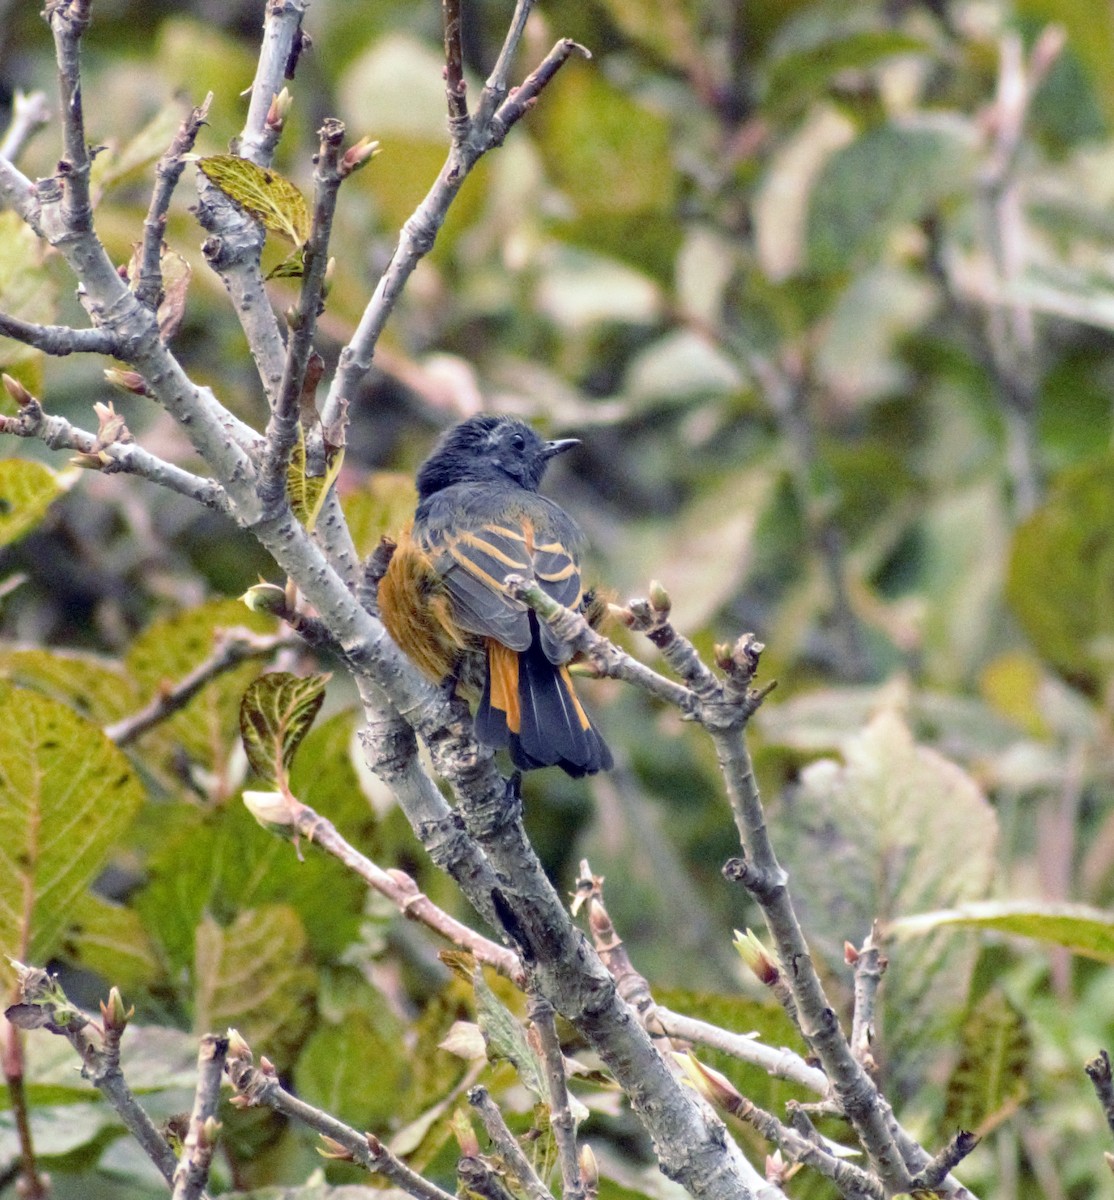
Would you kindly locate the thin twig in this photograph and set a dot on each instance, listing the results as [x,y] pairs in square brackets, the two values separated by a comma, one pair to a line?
[778,1061]
[59,340]
[870,965]
[523,97]
[471,140]
[282,429]
[45,1006]
[122,456]
[455,87]
[1102,1078]
[68,21]
[933,1174]
[258,1086]
[561,1119]
[30,113]
[406,896]
[32,1182]
[192,1171]
[505,1144]
[282,45]
[234,646]
[148,284]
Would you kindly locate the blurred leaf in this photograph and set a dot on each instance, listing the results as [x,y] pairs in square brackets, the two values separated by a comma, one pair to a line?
[606,152]
[887,177]
[991,1077]
[781,205]
[885,824]
[799,76]
[168,650]
[357,1069]
[272,200]
[27,490]
[176,273]
[680,367]
[97,688]
[26,290]
[704,557]
[112,166]
[1082,930]
[395,89]
[275,715]
[1090,30]
[1061,573]
[667,28]
[383,504]
[195,56]
[111,940]
[251,976]
[69,795]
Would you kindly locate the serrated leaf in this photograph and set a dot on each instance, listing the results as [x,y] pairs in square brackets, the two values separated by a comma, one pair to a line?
[307,492]
[505,1036]
[293,266]
[356,1069]
[1076,927]
[111,940]
[886,824]
[1061,573]
[96,687]
[251,975]
[69,794]
[269,197]
[27,490]
[991,1077]
[275,714]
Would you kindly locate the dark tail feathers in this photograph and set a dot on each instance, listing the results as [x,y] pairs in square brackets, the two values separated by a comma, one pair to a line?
[530,707]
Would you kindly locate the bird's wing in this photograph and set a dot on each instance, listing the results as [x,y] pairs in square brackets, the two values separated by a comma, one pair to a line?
[475,557]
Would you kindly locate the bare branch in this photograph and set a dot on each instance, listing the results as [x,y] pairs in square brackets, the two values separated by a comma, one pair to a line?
[560,1111]
[495,89]
[30,113]
[870,965]
[283,43]
[18,193]
[523,98]
[68,21]
[1102,1078]
[933,1174]
[405,895]
[59,340]
[45,1006]
[110,457]
[234,646]
[282,429]
[148,285]
[455,86]
[780,1062]
[260,1086]
[471,140]
[505,1144]
[197,1151]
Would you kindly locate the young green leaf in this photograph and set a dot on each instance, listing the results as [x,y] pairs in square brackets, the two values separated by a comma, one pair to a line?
[273,200]
[992,1076]
[69,794]
[275,714]
[307,492]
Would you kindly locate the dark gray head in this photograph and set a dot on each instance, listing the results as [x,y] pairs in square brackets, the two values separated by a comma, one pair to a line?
[487,449]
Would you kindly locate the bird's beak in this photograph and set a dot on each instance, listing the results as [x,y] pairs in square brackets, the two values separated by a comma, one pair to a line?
[552,449]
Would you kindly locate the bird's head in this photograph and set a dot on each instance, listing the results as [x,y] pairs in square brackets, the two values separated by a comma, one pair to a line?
[489,449]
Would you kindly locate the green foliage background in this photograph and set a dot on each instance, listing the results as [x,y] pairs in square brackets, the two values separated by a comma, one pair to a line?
[746,253]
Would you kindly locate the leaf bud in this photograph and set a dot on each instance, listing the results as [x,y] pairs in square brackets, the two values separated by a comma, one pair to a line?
[757,958]
[17,391]
[357,155]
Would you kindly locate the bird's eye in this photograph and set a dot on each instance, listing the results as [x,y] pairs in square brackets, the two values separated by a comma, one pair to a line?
[518,442]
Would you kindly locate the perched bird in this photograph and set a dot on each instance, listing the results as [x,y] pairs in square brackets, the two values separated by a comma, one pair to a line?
[479,519]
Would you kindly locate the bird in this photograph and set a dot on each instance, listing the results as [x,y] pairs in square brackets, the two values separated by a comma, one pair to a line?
[480,518]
